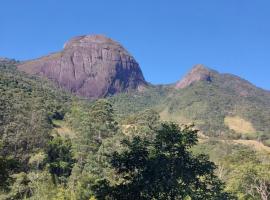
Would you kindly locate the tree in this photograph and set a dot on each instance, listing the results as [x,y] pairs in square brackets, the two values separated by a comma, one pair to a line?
[162,169]
[7,165]
[20,188]
[3,171]
[103,122]
[250,176]
[95,125]
[256,181]
[59,157]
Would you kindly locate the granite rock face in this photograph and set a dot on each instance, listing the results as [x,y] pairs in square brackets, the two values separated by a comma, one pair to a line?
[90,66]
[198,73]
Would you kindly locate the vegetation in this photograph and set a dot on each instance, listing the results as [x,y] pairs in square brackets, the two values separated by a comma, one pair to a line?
[27,108]
[162,169]
[59,158]
[245,171]
[55,146]
[210,106]
[28,105]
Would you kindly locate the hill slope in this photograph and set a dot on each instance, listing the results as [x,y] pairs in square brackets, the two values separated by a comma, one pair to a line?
[32,129]
[218,104]
[28,105]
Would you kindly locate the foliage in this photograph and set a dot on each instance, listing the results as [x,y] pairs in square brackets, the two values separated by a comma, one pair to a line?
[131,103]
[27,106]
[20,188]
[252,181]
[245,171]
[249,174]
[204,104]
[59,157]
[162,169]
[37,162]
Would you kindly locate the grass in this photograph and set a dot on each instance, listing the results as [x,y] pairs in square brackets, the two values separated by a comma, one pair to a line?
[239,125]
[258,146]
[62,129]
[166,116]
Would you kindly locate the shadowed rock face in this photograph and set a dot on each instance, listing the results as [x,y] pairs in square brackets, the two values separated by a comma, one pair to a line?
[198,73]
[90,66]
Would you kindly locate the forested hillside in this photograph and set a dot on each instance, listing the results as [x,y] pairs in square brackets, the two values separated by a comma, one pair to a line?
[57,146]
[225,106]
[28,105]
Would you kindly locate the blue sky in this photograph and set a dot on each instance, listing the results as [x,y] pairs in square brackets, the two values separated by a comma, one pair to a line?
[167,37]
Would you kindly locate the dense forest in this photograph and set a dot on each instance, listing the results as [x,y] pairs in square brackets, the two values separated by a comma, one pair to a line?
[56,146]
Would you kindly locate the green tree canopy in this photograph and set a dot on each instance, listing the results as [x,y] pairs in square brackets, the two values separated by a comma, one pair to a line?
[59,157]
[162,169]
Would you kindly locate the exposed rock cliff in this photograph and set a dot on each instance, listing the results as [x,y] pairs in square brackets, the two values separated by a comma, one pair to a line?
[90,66]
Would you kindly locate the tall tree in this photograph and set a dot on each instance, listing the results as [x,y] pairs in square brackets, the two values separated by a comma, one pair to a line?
[250,175]
[97,123]
[59,158]
[162,169]
[102,116]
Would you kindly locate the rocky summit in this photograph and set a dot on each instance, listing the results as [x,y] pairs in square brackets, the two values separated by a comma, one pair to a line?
[90,66]
[198,73]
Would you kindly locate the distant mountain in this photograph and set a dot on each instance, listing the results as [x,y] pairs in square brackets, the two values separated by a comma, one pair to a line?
[198,73]
[202,73]
[50,139]
[90,66]
[221,105]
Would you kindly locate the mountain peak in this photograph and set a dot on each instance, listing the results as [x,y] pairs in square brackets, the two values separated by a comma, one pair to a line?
[198,73]
[200,67]
[88,40]
[91,66]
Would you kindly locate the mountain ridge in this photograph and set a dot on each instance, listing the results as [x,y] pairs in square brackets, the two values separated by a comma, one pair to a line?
[229,112]
[214,101]
[198,72]
[216,105]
